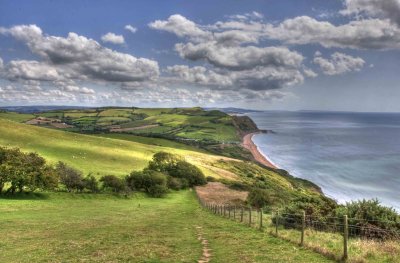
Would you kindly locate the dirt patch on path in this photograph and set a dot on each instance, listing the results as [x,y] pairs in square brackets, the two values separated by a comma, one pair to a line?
[218,193]
[206,256]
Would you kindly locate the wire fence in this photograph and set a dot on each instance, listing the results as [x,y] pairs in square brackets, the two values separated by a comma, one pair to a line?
[333,234]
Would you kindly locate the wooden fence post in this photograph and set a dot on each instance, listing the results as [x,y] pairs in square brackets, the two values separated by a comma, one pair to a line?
[241,214]
[345,237]
[303,226]
[276,221]
[261,218]
[250,216]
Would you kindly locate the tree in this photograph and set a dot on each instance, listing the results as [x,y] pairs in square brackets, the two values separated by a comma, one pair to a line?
[177,167]
[163,161]
[259,198]
[152,182]
[188,171]
[24,171]
[90,183]
[70,177]
[113,183]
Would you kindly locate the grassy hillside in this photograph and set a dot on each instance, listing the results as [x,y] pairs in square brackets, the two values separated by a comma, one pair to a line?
[119,154]
[98,155]
[175,123]
[62,227]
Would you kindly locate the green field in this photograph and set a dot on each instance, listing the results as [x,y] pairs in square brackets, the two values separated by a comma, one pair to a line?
[18,117]
[63,227]
[97,155]
[180,123]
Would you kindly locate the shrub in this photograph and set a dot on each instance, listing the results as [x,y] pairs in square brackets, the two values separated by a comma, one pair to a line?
[157,190]
[152,182]
[24,170]
[188,171]
[70,177]
[211,179]
[113,183]
[371,217]
[163,161]
[90,183]
[175,166]
[259,198]
[174,183]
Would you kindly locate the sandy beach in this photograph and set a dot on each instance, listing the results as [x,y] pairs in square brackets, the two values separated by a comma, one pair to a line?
[249,144]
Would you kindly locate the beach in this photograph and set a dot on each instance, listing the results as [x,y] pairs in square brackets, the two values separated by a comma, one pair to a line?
[258,156]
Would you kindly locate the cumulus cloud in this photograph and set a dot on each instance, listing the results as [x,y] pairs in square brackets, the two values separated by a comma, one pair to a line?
[376,8]
[113,38]
[235,63]
[131,28]
[76,57]
[339,63]
[182,27]
[360,34]
[309,73]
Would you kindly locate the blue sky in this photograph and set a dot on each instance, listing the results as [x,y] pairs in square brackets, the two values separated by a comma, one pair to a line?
[275,55]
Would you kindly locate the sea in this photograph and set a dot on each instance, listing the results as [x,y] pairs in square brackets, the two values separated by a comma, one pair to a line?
[351,156]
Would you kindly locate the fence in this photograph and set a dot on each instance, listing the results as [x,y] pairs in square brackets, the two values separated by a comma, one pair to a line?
[329,235]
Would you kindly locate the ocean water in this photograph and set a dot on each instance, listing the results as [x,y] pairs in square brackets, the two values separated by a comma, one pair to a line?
[350,156]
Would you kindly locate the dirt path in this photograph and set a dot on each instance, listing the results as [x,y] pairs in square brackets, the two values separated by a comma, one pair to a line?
[249,145]
[206,256]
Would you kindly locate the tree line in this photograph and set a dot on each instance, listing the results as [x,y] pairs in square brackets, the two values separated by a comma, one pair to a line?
[20,171]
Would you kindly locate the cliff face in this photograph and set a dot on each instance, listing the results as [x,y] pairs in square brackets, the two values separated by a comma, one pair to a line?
[244,125]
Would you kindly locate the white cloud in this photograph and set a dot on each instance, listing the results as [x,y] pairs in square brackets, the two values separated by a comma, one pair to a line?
[113,38]
[131,29]
[235,63]
[181,27]
[359,34]
[375,8]
[309,73]
[339,63]
[77,58]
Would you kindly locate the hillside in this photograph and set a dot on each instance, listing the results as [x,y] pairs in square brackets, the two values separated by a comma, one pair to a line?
[119,154]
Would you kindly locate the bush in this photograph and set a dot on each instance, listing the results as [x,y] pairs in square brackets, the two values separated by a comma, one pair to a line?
[188,171]
[152,182]
[113,183]
[372,215]
[157,190]
[25,171]
[210,179]
[175,166]
[259,198]
[174,183]
[90,183]
[163,161]
[70,177]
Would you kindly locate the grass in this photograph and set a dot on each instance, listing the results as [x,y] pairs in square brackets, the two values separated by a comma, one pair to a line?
[187,123]
[17,117]
[97,155]
[103,228]
[360,250]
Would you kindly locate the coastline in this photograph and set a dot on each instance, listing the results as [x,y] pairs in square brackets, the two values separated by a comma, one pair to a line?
[248,143]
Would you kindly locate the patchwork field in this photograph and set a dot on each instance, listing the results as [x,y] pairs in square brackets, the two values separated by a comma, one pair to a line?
[180,123]
[62,227]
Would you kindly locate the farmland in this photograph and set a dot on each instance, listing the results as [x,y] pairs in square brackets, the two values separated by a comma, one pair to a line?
[183,123]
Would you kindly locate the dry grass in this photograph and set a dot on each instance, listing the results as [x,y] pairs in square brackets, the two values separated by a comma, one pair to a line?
[219,193]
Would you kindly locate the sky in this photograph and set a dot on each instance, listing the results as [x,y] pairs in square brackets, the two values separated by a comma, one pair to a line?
[340,55]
